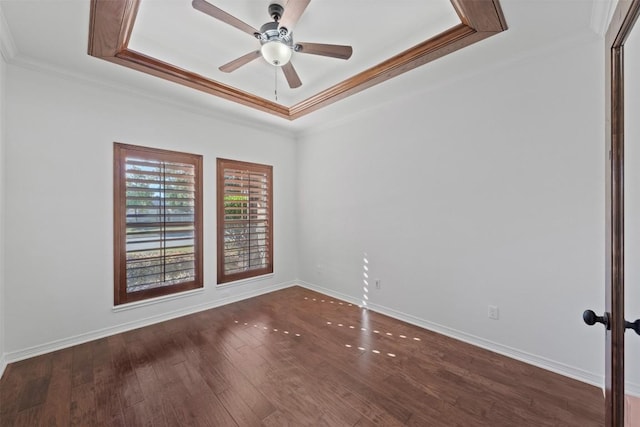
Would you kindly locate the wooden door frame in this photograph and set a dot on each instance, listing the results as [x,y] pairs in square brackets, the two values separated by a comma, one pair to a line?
[622,23]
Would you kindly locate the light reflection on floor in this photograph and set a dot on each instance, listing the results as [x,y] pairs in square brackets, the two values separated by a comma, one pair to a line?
[255,325]
[365,274]
[330,302]
[364,336]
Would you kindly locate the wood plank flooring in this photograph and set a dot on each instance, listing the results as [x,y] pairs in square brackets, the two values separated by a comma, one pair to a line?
[289,358]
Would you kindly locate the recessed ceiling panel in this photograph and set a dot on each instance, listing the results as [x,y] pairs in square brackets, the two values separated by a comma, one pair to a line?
[174,32]
[172,40]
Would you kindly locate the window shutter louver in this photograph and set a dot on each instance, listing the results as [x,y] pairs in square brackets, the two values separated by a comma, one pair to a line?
[160,232]
[245,227]
[160,223]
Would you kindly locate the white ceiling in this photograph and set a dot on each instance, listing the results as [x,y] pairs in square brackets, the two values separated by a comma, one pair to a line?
[54,34]
[172,31]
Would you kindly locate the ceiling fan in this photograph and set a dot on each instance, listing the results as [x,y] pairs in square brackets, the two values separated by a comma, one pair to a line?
[276,38]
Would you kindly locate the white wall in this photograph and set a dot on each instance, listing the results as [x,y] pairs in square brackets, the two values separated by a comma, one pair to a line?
[59,211]
[489,191]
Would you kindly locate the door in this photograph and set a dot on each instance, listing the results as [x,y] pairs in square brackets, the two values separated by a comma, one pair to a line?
[632,225]
[613,318]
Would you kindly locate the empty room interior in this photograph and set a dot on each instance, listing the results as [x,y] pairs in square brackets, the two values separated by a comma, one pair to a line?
[296,212]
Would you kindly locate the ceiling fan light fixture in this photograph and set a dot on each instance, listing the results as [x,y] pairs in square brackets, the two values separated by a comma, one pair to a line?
[276,53]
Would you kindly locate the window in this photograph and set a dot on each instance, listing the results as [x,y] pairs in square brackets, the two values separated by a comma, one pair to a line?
[157,222]
[245,220]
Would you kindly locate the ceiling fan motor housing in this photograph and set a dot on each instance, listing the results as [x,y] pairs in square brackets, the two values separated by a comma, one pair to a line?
[269,35]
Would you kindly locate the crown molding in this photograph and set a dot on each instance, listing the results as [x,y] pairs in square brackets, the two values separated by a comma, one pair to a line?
[8,48]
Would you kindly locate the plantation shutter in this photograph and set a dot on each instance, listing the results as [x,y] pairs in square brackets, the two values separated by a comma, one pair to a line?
[161,233]
[244,220]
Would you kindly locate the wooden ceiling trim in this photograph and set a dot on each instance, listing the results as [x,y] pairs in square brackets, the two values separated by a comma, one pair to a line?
[155,67]
[441,45]
[482,16]
[127,24]
[112,21]
[622,21]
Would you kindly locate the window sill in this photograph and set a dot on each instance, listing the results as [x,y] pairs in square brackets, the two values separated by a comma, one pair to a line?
[157,300]
[245,281]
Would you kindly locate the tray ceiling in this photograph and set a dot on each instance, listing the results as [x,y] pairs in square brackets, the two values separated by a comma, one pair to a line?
[171,40]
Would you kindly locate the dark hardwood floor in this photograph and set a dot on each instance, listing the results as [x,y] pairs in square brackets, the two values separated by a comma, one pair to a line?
[289,358]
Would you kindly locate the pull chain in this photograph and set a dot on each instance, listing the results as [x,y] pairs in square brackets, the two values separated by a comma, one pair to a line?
[276,81]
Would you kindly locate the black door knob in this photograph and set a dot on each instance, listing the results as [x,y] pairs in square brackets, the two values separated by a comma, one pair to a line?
[633,325]
[590,318]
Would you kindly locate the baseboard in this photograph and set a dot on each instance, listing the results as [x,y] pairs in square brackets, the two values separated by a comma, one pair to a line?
[49,347]
[3,364]
[532,359]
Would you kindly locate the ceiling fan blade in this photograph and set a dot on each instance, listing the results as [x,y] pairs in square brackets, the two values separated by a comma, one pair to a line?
[237,63]
[332,50]
[292,12]
[291,75]
[211,10]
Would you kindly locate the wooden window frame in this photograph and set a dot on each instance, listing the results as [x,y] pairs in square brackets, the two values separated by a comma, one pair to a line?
[221,164]
[121,296]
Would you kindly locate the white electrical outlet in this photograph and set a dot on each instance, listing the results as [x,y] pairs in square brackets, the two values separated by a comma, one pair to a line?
[494,313]
[378,284]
